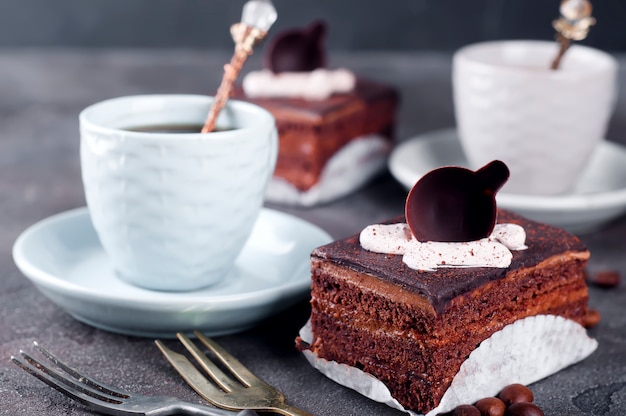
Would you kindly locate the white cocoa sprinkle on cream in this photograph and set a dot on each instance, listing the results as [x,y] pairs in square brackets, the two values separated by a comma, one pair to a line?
[493,251]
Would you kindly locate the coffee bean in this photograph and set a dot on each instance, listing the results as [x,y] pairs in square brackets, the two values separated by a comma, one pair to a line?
[466,410]
[491,406]
[523,409]
[606,278]
[516,393]
[591,319]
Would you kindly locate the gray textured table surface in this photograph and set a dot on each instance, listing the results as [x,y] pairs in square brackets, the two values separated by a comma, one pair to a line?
[41,94]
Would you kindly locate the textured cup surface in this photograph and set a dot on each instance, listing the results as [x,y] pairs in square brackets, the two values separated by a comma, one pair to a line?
[173,211]
[542,123]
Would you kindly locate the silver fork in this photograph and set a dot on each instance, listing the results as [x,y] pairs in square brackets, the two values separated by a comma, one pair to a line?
[106,399]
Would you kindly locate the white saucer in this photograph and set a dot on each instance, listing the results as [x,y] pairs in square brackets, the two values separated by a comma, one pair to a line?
[63,257]
[598,197]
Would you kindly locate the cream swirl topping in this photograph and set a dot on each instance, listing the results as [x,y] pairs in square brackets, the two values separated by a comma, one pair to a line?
[315,85]
[493,251]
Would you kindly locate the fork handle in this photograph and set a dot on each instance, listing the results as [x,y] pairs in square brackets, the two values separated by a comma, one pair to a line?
[191,409]
[288,410]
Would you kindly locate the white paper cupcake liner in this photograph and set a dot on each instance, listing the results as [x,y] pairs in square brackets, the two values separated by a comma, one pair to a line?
[523,352]
[346,171]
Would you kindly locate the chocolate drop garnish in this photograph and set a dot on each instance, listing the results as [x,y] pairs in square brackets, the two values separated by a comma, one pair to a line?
[455,204]
[298,50]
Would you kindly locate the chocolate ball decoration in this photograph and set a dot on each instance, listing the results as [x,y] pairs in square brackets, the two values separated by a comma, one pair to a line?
[455,204]
[298,50]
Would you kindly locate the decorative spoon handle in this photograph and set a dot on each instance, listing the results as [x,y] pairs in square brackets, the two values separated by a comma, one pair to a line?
[574,24]
[231,71]
[257,17]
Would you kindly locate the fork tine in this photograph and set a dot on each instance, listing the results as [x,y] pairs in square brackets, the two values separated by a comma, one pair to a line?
[218,376]
[192,376]
[52,378]
[96,385]
[242,374]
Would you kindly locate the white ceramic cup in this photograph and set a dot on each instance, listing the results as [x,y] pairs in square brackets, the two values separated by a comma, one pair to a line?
[173,211]
[543,123]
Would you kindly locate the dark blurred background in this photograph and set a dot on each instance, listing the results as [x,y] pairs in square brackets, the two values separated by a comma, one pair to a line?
[396,25]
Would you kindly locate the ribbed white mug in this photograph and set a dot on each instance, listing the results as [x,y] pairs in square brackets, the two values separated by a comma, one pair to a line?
[174,210]
[544,124]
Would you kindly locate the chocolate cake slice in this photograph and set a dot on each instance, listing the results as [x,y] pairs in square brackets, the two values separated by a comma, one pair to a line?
[312,131]
[413,329]
[335,129]
[451,302]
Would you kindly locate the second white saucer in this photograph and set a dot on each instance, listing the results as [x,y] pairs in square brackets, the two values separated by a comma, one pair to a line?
[598,196]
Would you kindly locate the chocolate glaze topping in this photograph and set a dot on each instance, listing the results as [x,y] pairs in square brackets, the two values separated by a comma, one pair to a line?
[444,284]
